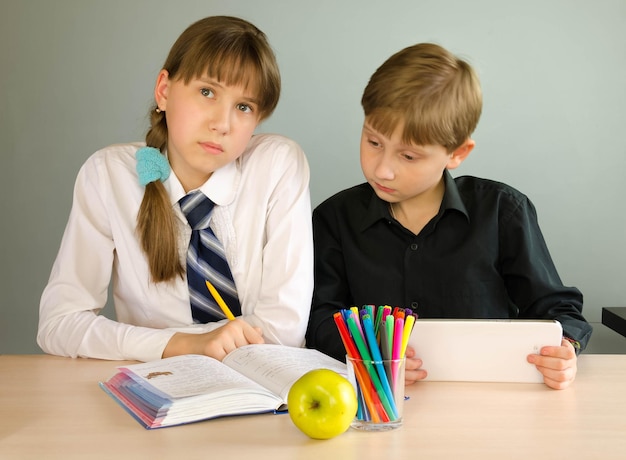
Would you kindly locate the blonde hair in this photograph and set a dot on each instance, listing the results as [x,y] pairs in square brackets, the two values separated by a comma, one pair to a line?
[432,93]
[235,52]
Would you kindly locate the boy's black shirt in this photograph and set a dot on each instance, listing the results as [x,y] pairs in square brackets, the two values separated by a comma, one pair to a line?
[482,256]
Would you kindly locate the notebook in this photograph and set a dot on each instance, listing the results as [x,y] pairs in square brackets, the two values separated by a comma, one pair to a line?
[482,350]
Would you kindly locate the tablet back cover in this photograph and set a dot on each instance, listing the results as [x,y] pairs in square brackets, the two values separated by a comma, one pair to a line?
[482,350]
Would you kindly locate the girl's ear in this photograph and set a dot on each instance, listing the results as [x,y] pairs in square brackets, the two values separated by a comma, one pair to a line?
[161,89]
[460,154]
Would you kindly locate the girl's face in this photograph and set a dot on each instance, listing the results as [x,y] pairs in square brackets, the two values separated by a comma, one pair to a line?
[405,172]
[209,125]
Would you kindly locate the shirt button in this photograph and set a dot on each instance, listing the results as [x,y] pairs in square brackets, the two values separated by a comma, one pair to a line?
[413,305]
[414,246]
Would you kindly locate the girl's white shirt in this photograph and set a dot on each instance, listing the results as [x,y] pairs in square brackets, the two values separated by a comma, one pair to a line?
[262,217]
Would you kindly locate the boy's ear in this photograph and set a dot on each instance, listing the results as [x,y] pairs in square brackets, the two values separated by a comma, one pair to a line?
[460,154]
[161,89]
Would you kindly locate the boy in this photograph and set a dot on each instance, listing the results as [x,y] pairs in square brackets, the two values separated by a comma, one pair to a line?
[415,237]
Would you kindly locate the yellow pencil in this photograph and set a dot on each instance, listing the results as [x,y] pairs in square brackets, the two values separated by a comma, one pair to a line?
[218,298]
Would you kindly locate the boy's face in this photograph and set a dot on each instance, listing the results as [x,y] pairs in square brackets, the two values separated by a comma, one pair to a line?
[398,171]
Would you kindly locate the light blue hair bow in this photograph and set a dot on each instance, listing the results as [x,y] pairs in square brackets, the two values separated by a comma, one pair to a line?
[151,165]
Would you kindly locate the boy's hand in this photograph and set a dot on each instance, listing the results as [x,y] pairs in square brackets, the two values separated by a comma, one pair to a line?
[413,371]
[557,364]
[217,343]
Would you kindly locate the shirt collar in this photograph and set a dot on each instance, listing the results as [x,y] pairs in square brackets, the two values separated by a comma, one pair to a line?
[451,197]
[221,187]
[378,209]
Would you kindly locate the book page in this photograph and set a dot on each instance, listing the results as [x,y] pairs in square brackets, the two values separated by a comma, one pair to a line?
[277,367]
[187,375]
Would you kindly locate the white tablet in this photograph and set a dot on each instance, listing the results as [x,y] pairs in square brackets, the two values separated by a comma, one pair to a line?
[482,350]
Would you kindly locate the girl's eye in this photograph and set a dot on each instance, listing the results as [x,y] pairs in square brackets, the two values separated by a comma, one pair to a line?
[206,92]
[244,108]
[373,143]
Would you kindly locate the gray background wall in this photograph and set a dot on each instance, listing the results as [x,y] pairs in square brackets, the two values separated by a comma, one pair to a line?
[78,75]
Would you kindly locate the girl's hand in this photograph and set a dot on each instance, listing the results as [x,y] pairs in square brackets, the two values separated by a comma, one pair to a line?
[413,371]
[217,343]
[557,364]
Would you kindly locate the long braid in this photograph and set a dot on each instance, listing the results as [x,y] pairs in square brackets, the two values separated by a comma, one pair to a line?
[156,223]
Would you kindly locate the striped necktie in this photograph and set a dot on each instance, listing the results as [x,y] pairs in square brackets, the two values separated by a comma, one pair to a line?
[206,261]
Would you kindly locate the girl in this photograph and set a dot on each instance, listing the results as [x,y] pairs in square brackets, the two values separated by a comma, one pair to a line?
[127,226]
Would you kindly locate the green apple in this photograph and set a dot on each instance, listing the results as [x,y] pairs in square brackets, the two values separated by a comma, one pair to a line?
[322,404]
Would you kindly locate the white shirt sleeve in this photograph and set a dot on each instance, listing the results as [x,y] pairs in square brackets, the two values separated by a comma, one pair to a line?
[69,324]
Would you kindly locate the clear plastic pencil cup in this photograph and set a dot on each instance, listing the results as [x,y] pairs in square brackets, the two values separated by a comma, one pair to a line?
[379,387]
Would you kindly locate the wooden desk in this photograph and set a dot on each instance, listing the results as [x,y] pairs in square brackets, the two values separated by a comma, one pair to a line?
[52,408]
[615,318]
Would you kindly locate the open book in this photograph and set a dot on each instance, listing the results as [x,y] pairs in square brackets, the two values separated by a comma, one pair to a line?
[183,389]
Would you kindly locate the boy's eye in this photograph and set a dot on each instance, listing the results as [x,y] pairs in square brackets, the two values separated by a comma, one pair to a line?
[374,143]
[206,92]
[244,108]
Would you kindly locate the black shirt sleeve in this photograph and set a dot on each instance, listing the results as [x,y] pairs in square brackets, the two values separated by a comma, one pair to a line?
[330,294]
